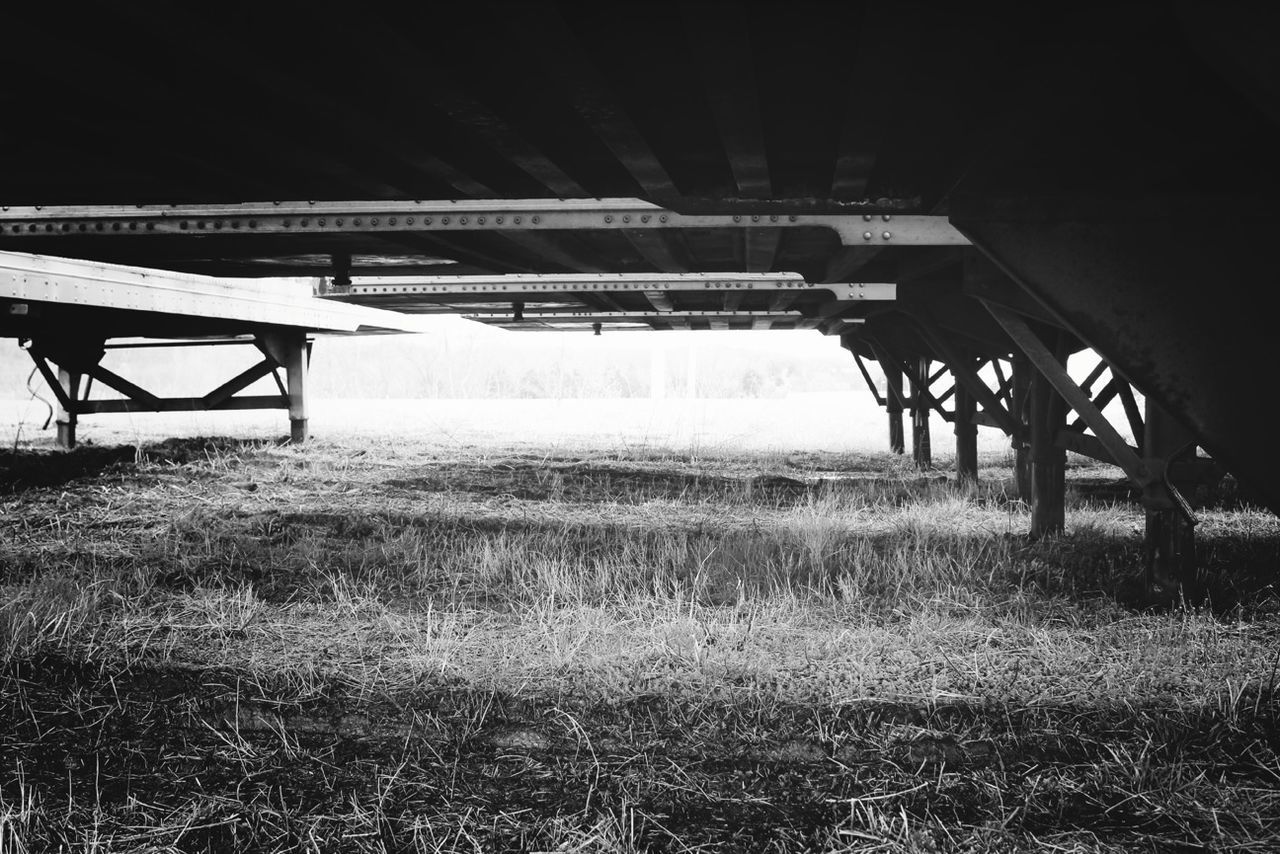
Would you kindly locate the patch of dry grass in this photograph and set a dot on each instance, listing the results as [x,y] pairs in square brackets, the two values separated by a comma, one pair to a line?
[406,648]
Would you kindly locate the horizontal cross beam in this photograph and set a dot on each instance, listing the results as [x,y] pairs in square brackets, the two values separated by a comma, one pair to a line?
[638,316]
[530,283]
[304,217]
[182,404]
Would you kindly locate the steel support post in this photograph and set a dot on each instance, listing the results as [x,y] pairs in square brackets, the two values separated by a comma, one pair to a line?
[290,350]
[921,451]
[67,418]
[1169,546]
[1021,399]
[1048,462]
[893,405]
[966,431]
[297,377]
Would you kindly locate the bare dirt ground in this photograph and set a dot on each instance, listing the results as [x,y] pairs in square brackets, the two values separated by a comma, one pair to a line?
[405,644]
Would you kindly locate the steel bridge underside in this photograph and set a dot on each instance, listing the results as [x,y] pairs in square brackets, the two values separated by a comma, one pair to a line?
[1011,187]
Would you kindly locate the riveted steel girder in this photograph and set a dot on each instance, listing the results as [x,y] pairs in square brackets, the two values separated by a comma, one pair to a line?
[533,284]
[621,321]
[303,217]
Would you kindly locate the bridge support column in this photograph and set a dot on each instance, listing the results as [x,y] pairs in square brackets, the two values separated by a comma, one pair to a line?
[1048,463]
[291,351]
[1020,440]
[1169,548]
[921,450]
[298,378]
[966,431]
[893,405]
[67,418]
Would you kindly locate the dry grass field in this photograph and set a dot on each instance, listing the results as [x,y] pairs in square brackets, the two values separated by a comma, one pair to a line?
[415,644]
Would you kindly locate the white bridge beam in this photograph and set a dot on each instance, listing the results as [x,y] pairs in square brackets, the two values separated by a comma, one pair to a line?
[303,217]
[27,279]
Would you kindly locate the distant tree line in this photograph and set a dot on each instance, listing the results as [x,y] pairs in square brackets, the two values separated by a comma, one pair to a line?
[504,366]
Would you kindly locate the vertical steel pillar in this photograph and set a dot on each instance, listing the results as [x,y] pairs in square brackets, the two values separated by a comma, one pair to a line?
[290,351]
[1048,462]
[70,382]
[921,451]
[1169,546]
[893,405]
[966,409]
[297,379]
[1021,399]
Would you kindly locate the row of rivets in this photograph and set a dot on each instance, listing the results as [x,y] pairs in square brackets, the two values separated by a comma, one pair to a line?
[358,222]
[565,286]
[888,235]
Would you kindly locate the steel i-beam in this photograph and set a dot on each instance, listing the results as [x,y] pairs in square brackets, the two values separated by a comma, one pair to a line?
[652,285]
[304,217]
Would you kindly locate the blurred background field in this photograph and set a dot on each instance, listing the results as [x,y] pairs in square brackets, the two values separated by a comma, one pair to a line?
[464,382]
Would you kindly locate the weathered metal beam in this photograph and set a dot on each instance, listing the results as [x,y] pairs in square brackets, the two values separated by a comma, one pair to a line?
[1086,446]
[1087,385]
[183,404]
[115,381]
[1104,396]
[1053,371]
[895,401]
[68,383]
[966,432]
[515,215]
[1132,413]
[921,447]
[246,378]
[62,391]
[1020,374]
[871,384]
[561,316]
[1169,542]
[1004,385]
[534,283]
[1048,417]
